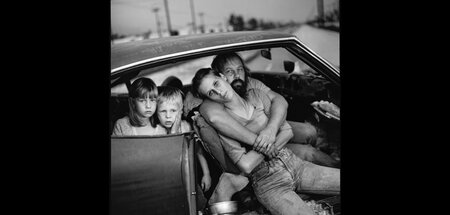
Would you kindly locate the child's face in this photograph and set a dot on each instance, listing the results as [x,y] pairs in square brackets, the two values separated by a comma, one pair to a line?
[167,112]
[145,107]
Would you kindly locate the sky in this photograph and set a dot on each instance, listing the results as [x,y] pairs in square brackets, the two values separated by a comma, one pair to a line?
[130,17]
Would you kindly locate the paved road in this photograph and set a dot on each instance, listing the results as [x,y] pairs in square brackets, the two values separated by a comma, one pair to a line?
[323,42]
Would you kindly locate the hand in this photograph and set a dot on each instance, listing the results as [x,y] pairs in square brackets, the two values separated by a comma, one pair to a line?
[265,139]
[195,116]
[328,107]
[206,182]
[176,127]
[271,151]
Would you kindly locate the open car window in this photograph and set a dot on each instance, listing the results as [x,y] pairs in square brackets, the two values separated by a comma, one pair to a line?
[254,59]
[278,68]
[184,70]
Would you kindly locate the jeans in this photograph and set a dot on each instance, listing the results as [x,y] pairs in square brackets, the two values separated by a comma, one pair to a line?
[276,182]
[304,142]
[313,155]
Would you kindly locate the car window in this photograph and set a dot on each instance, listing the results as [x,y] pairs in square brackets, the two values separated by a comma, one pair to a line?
[275,65]
[283,72]
[184,70]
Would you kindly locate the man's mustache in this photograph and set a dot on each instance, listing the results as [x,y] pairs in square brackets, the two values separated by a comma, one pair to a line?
[240,87]
[237,84]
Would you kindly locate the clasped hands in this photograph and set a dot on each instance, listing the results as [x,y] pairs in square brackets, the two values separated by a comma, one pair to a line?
[265,143]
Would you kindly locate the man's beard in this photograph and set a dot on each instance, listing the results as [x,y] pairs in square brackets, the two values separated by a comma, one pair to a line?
[240,87]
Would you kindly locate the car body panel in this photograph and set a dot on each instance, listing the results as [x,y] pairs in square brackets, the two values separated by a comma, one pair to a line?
[152,175]
[168,162]
[127,56]
[132,52]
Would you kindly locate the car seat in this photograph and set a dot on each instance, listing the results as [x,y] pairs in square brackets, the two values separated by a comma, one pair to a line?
[118,108]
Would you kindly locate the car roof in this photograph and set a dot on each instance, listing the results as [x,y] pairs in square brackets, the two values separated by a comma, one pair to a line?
[127,53]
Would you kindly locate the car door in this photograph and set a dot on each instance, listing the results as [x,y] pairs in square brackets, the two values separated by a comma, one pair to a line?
[152,175]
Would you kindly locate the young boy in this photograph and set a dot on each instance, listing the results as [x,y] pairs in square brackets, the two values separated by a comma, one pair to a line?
[169,111]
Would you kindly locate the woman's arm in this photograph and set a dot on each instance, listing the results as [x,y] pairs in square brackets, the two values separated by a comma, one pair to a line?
[214,113]
[249,161]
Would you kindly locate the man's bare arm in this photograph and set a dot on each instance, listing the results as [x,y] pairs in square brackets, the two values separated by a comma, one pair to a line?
[283,137]
[215,114]
[278,112]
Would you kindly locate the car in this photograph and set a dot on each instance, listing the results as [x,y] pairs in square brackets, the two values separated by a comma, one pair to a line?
[158,174]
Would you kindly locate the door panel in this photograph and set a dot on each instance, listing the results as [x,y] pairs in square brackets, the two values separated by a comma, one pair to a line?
[147,175]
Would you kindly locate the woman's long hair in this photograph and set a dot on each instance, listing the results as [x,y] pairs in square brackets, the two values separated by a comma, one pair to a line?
[198,77]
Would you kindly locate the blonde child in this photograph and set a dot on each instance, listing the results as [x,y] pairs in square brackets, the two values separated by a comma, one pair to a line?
[142,105]
[169,111]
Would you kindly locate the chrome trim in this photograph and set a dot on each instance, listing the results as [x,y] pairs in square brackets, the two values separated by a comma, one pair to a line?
[320,58]
[200,50]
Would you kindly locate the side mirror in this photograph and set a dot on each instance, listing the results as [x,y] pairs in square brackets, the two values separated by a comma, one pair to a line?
[266,54]
[288,66]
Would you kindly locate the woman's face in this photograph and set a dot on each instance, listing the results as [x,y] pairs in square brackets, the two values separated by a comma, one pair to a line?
[216,88]
[145,107]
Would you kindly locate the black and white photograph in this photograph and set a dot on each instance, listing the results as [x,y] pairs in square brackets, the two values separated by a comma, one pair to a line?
[225,107]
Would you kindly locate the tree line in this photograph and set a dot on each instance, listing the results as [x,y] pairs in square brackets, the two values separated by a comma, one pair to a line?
[238,23]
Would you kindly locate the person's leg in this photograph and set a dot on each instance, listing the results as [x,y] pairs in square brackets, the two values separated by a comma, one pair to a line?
[319,180]
[273,186]
[309,177]
[228,185]
[311,154]
[304,133]
[284,202]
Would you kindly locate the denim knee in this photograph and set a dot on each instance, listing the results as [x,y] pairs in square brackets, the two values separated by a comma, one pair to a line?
[310,133]
[304,133]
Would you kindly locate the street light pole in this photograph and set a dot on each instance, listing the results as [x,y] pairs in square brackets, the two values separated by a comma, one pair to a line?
[194,27]
[320,12]
[169,27]
[202,24]
[158,24]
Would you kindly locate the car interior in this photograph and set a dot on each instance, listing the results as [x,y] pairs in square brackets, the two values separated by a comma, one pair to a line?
[276,67]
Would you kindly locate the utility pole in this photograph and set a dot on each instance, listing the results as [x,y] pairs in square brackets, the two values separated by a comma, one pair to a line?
[158,24]
[202,24]
[169,27]
[320,13]
[194,27]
